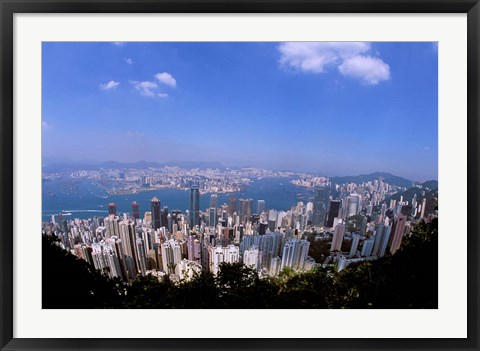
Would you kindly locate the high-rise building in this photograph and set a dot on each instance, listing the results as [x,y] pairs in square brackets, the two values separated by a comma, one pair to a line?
[197,251]
[194,206]
[378,239]
[424,204]
[260,206]
[147,217]
[262,228]
[141,256]
[117,247]
[215,258]
[224,212]
[177,216]
[135,210]
[190,246]
[367,247]
[212,216]
[104,258]
[337,240]
[171,255]
[280,217]
[214,200]
[309,212]
[245,210]
[275,267]
[112,209]
[128,237]
[241,210]
[333,212]
[363,226]
[167,258]
[320,203]
[369,210]
[269,246]
[232,205]
[294,254]
[165,217]
[248,210]
[386,237]
[398,231]
[251,258]
[177,252]
[84,252]
[272,219]
[156,215]
[219,254]
[383,210]
[111,226]
[353,205]
[354,247]
[231,254]
[341,263]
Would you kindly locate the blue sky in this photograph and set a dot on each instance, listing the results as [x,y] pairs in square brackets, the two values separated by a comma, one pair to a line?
[329,108]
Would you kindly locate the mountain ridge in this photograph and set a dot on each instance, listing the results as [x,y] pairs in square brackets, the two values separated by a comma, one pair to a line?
[56,167]
[385,176]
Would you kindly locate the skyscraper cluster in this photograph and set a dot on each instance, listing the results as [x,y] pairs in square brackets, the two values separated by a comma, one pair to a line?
[353,218]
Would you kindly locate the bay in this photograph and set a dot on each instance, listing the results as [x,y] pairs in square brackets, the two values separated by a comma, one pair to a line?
[84,198]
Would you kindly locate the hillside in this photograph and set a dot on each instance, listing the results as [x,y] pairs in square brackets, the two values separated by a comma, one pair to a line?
[386,177]
[431,194]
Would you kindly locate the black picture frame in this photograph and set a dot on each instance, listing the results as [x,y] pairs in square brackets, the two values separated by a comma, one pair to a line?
[9,7]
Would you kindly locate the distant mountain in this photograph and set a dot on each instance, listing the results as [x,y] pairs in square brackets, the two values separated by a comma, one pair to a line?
[73,166]
[137,165]
[195,164]
[430,184]
[62,167]
[386,177]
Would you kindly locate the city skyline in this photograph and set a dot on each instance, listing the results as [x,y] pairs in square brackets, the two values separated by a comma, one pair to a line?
[346,227]
[328,108]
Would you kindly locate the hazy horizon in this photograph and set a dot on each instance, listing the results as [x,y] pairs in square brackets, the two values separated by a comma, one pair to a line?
[65,162]
[331,108]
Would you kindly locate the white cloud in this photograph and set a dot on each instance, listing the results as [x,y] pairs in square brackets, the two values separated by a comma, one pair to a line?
[166,78]
[369,69]
[109,85]
[128,60]
[145,88]
[148,88]
[350,57]
[118,43]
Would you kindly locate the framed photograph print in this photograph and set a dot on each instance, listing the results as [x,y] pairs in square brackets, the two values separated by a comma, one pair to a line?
[239,175]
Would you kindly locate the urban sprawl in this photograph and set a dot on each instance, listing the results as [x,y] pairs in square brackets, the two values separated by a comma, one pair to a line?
[179,245]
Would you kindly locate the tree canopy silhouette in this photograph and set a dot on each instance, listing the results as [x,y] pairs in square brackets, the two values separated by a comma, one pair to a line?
[69,282]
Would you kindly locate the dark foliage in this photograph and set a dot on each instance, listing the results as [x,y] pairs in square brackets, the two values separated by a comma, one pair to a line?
[69,282]
[319,250]
[408,279]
